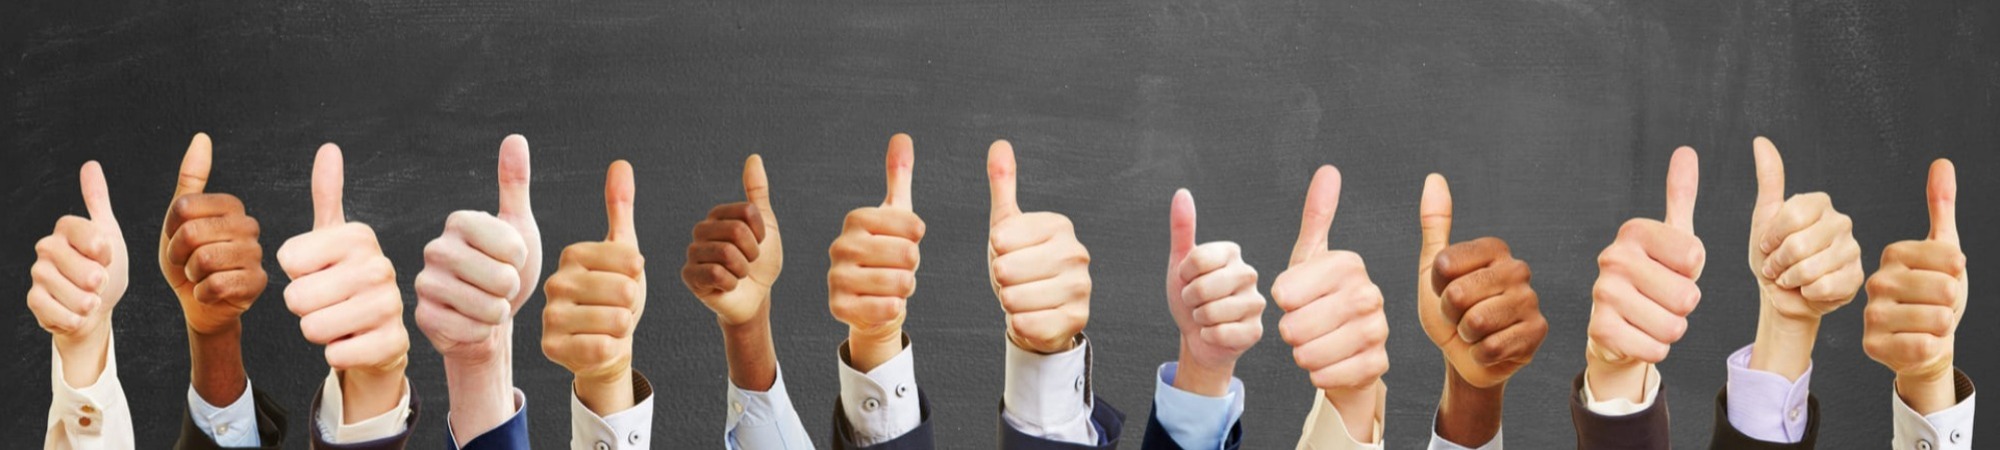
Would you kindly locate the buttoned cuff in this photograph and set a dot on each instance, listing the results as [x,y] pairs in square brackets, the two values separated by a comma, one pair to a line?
[229,426]
[764,420]
[1327,430]
[1765,406]
[1439,443]
[1949,429]
[1048,396]
[881,404]
[1195,421]
[631,429]
[94,416]
[333,430]
[520,408]
[1621,406]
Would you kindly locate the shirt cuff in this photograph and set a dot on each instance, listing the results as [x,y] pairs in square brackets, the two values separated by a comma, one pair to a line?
[520,407]
[1048,396]
[1326,430]
[384,425]
[1950,429]
[1196,421]
[1439,443]
[1622,406]
[630,429]
[882,404]
[94,416]
[764,420]
[229,426]
[1764,405]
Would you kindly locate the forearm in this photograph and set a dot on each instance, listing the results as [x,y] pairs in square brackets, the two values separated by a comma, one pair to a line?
[1608,380]
[606,394]
[83,357]
[753,359]
[481,394]
[867,349]
[1784,344]
[370,393]
[1200,378]
[1468,415]
[215,364]
[1928,392]
[1360,410]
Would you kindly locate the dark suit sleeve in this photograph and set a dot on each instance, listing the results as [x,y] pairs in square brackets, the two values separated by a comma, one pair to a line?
[388,443]
[1646,429]
[510,435]
[271,420]
[1157,437]
[1106,418]
[917,439]
[1726,436]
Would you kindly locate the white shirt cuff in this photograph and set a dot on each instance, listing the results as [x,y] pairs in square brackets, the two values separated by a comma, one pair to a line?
[229,426]
[1622,406]
[92,417]
[764,420]
[881,405]
[1048,396]
[1326,430]
[631,429]
[1195,421]
[331,428]
[1950,429]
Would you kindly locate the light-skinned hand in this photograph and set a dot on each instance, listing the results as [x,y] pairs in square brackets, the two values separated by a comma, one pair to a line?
[1333,315]
[595,300]
[1915,301]
[1646,287]
[80,272]
[344,291]
[1213,296]
[1039,271]
[874,266]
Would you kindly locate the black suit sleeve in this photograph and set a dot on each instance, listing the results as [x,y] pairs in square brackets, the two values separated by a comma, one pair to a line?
[271,420]
[1643,430]
[1726,436]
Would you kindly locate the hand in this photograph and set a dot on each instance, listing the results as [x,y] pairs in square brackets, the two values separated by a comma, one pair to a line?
[476,276]
[345,294]
[80,272]
[1040,272]
[737,254]
[1474,299]
[208,249]
[1806,262]
[1915,301]
[874,266]
[1333,315]
[1213,296]
[595,300]
[1646,289]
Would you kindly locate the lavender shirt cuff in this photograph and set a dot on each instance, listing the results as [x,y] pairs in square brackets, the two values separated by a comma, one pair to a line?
[1764,405]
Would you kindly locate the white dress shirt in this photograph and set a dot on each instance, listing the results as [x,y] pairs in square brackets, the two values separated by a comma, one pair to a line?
[333,430]
[89,417]
[631,429]
[1950,429]
[229,426]
[764,420]
[1048,396]
[1193,420]
[881,405]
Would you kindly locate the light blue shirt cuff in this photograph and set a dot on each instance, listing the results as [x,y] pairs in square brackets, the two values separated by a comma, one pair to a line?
[1195,421]
[229,426]
[1764,405]
[764,420]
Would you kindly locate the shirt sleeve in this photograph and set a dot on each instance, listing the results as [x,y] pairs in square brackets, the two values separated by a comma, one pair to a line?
[1196,421]
[882,404]
[229,426]
[1621,406]
[88,417]
[1765,406]
[1048,396]
[1950,429]
[764,420]
[1326,430]
[631,429]
[384,425]
[1439,443]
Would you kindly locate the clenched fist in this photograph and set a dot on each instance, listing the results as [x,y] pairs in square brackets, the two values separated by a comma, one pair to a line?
[595,299]
[208,249]
[1213,296]
[874,266]
[344,291]
[1645,289]
[736,254]
[1333,314]
[1474,299]
[80,273]
[1040,272]
[1915,301]
[1806,262]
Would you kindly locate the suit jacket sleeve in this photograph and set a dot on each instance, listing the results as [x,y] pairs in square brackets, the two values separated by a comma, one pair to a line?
[388,443]
[271,426]
[510,435]
[1107,419]
[1726,436]
[1158,439]
[1646,429]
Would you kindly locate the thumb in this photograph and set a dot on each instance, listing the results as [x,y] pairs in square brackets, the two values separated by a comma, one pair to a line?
[514,177]
[1434,216]
[618,188]
[1943,194]
[1683,185]
[1322,200]
[1181,222]
[194,166]
[1770,179]
[902,157]
[327,179]
[96,194]
[1000,174]
[757,187]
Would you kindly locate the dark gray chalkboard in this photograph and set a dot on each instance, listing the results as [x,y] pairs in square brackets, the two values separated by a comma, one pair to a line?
[1554,120]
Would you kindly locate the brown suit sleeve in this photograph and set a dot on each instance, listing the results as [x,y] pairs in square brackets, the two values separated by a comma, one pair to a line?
[1726,436]
[270,426]
[1646,429]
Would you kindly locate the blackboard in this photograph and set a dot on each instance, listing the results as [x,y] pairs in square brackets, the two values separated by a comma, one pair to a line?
[1553,119]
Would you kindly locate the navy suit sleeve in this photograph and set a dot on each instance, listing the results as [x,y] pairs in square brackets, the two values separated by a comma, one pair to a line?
[1158,439]
[1108,420]
[510,435]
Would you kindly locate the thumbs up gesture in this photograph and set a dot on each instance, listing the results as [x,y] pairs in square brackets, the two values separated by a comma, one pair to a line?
[80,273]
[1333,314]
[1646,289]
[1473,298]
[344,291]
[874,266]
[1040,272]
[1806,261]
[1915,301]
[208,248]
[595,299]
[736,254]
[1213,296]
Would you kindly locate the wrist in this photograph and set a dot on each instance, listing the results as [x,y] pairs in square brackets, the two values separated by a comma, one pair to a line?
[84,355]
[480,395]
[1360,409]
[369,393]
[215,364]
[1615,379]
[1468,415]
[865,351]
[1205,378]
[753,359]
[1784,344]
[1927,391]
[606,394]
